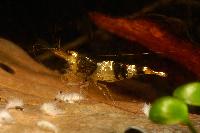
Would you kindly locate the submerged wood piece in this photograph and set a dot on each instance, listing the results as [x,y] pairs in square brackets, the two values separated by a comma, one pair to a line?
[22,77]
[87,118]
[152,36]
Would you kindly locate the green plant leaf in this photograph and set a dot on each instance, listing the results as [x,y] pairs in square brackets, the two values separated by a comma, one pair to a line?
[169,110]
[190,93]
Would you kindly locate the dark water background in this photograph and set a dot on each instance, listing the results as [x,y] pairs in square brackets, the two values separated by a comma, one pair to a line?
[25,22]
[57,23]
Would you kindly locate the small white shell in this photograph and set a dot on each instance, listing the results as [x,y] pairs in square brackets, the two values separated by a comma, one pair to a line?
[5,117]
[69,97]
[46,125]
[146,108]
[13,103]
[51,109]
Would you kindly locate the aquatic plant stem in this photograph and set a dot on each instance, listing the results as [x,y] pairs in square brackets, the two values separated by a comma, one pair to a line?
[191,127]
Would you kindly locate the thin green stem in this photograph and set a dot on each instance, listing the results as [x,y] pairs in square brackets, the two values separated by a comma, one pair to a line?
[191,127]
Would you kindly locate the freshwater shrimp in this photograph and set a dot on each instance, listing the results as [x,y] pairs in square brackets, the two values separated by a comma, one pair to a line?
[85,73]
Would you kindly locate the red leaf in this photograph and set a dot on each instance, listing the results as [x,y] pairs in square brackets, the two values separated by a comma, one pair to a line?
[150,35]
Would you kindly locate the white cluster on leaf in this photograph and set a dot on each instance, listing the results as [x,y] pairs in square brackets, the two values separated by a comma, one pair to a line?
[14,103]
[51,109]
[5,117]
[69,97]
[46,125]
[146,108]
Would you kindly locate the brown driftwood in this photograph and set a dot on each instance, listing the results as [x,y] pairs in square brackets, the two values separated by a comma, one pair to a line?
[22,77]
